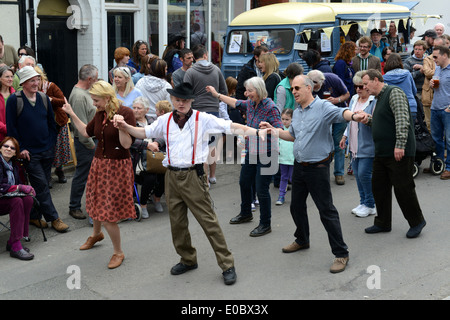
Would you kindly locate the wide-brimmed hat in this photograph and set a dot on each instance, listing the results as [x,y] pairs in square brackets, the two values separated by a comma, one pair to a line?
[429,33]
[183,91]
[26,73]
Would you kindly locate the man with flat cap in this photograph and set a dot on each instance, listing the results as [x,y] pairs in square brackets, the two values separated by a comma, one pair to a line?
[186,134]
[429,37]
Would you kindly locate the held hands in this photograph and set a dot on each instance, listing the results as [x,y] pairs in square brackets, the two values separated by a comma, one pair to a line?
[119,121]
[153,146]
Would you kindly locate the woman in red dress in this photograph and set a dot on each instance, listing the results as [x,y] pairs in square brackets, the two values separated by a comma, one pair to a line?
[109,189]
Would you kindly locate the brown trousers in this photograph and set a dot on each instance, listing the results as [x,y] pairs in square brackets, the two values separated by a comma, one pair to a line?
[186,190]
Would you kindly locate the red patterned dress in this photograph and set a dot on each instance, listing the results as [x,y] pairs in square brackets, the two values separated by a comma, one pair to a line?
[109,189]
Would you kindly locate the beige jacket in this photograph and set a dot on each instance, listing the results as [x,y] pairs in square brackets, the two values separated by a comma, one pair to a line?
[428,69]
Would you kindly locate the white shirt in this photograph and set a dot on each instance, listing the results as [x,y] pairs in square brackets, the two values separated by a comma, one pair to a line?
[180,142]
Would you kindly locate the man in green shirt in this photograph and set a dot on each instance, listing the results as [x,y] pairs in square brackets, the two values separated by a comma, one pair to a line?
[395,147]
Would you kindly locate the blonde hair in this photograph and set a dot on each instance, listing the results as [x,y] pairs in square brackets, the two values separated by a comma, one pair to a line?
[125,72]
[104,90]
[271,63]
[163,106]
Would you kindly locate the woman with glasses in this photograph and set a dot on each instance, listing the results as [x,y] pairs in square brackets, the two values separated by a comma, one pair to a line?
[124,86]
[15,198]
[361,147]
[6,89]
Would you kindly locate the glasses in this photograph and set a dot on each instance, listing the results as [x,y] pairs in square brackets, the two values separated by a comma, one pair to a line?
[359,87]
[9,147]
[297,88]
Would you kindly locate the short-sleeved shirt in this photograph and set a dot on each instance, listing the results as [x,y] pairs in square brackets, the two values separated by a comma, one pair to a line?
[266,111]
[441,95]
[311,128]
[335,86]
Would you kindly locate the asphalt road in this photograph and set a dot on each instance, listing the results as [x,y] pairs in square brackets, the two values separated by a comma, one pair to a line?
[384,266]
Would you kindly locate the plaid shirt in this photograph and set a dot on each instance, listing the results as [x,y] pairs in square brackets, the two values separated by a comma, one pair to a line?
[400,108]
[267,111]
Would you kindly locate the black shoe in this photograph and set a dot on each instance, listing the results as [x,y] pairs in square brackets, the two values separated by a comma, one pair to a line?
[241,218]
[415,231]
[21,254]
[61,176]
[229,276]
[260,231]
[181,268]
[376,229]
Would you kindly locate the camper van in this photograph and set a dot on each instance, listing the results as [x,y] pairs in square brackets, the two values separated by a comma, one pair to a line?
[289,29]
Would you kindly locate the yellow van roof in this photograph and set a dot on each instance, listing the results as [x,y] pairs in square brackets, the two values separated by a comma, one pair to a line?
[298,12]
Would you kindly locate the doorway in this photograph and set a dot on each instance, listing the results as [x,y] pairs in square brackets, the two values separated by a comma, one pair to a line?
[57,52]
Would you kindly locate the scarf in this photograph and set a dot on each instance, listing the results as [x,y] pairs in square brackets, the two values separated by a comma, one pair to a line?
[9,171]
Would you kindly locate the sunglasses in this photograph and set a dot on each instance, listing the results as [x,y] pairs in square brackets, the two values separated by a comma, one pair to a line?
[297,88]
[9,147]
[359,87]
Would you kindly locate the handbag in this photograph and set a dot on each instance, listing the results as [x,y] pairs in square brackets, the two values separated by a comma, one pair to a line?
[154,162]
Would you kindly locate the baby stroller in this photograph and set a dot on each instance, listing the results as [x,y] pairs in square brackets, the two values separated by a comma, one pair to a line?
[425,145]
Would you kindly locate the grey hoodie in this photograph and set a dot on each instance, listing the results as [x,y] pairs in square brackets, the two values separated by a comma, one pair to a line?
[154,89]
[203,74]
[418,76]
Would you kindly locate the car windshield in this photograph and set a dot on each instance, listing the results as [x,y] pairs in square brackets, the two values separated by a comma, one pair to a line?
[279,41]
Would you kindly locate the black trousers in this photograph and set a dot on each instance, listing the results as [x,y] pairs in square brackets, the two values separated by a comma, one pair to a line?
[315,180]
[387,174]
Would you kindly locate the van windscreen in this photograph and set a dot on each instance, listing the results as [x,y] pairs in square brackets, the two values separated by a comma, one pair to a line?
[279,41]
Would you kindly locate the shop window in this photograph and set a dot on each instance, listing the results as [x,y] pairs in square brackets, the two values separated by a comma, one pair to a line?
[120,33]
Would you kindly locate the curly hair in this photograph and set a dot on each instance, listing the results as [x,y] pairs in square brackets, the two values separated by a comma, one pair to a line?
[346,52]
[104,90]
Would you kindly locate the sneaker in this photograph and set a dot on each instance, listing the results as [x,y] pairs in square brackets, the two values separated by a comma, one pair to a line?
[145,214]
[212,180]
[280,201]
[253,207]
[339,265]
[358,208]
[181,268]
[365,211]
[77,214]
[340,181]
[158,206]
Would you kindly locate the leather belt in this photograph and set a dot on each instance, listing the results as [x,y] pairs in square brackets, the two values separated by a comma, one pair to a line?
[180,169]
[305,164]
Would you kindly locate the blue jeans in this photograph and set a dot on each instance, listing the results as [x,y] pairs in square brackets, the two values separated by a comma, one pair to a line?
[252,173]
[339,155]
[362,169]
[315,180]
[440,131]
[84,159]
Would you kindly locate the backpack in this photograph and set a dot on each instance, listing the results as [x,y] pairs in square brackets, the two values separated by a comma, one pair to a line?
[20,101]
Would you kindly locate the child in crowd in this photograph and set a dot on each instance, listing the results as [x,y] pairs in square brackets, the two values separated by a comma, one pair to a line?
[286,158]
[163,107]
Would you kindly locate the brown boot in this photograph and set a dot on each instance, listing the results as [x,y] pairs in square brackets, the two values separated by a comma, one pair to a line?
[116,260]
[59,225]
[42,224]
[91,241]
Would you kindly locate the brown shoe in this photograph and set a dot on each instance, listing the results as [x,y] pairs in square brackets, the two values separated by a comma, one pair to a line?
[116,260]
[339,265]
[59,225]
[445,175]
[77,214]
[91,241]
[42,224]
[426,170]
[339,180]
[294,246]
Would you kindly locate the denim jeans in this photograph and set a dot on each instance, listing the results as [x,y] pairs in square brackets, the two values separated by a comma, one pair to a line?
[39,169]
[440,131]
[339,155]
[84,159]
[251,172]
[315,180]
[362,169]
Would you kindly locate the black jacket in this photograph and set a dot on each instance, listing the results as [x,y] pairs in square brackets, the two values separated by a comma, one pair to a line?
[247,72]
